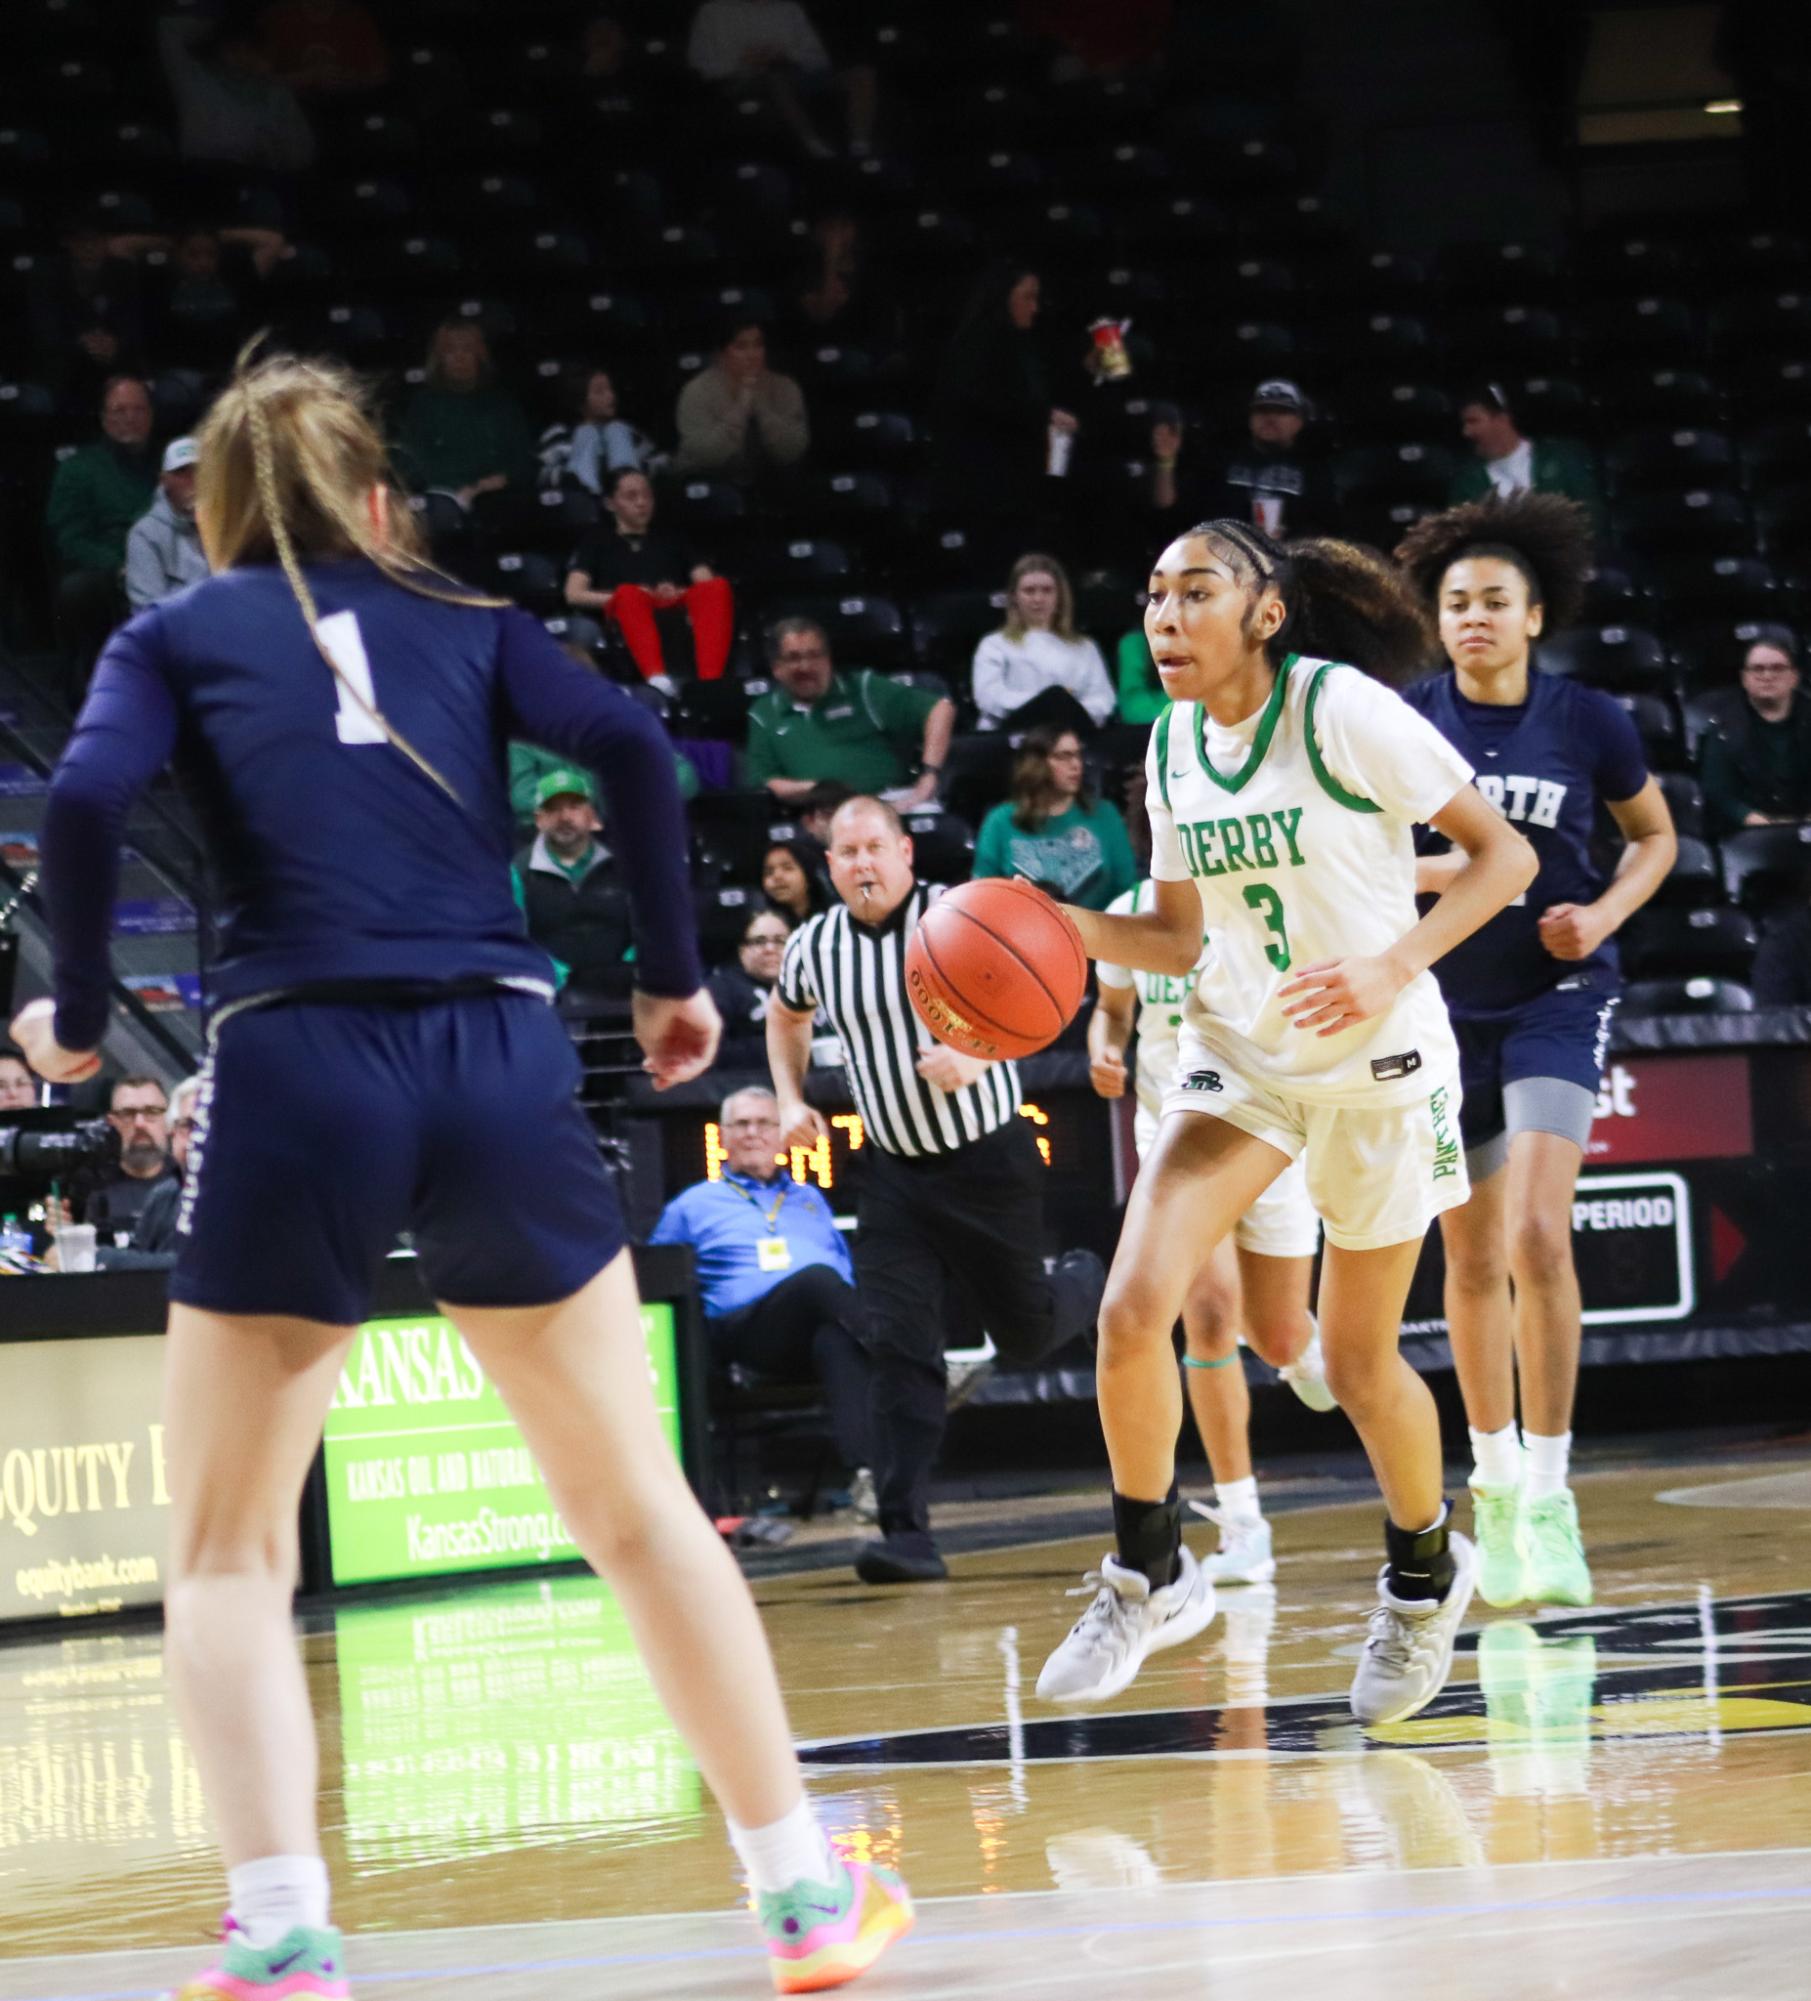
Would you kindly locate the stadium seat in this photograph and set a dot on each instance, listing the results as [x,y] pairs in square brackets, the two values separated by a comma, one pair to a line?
[1765,387]
[1383,475]
[1684,800]
[1777,454]
[787,564]
[943,846]
[1782,523]
[1385,281]
[533,580]
[1694,880]
[1499,273]
[723,912]
[1487,340]
[1615,595]
[948,625]
[1675,397]
[1712,941]
[1698,588]
[1766,323]
[1665,328]
[1656,721]
[1552,405]
[863,631]
[1669,459]
[1388,407]
[1623,658]
[1698,520]
[1380,339]
[1687,996]
[1764,867]
[1759,257]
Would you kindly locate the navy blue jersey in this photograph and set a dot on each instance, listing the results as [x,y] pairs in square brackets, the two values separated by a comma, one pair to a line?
[336,858]
[1544,765]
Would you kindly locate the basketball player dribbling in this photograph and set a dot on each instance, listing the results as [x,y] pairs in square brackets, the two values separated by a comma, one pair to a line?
[1531,995]
[1283,786]
[343,715]
[1255,1282]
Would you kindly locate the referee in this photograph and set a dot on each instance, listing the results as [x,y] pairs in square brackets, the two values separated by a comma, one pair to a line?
[950,1180]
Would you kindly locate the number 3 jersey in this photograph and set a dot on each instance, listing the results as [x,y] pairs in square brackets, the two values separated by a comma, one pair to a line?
[1161,998]
[334,858]
[1295,826]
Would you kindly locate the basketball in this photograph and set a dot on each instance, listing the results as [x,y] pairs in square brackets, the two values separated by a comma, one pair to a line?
[995,969]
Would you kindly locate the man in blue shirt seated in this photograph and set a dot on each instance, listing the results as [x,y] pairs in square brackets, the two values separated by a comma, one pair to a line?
[775,1275]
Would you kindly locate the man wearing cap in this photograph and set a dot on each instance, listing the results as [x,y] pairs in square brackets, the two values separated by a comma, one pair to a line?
[575,907]
[1508,463]
[1270,480]
[163,551]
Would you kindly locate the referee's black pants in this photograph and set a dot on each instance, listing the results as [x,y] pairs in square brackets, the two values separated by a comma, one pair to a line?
[975,1215]
[808,1324]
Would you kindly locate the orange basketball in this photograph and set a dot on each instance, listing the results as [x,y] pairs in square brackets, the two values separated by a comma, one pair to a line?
[995,969]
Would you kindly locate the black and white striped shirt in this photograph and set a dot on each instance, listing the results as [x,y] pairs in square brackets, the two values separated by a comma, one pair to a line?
[856,973]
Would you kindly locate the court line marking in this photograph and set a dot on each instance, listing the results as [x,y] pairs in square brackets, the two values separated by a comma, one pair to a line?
[994,1899]
[1644,1901]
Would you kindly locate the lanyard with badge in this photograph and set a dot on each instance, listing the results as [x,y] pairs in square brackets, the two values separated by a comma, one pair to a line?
[772,1252]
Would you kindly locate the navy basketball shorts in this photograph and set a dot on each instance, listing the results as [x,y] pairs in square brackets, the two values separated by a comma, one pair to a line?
[324,1129]
[1535,1069]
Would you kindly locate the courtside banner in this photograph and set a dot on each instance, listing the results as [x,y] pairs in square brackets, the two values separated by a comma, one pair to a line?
[426,1472]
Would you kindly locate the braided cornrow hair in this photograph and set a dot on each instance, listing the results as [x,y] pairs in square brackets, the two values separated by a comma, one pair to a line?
[308,495]
[1341,601]
[1543,536]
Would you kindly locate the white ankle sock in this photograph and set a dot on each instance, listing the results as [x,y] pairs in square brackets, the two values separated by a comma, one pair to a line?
[275,1894]
[1548,1462]
[786,1851]
[1238,1497]
[1496,1458]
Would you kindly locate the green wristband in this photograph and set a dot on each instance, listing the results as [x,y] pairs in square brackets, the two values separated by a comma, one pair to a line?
[1189,1361]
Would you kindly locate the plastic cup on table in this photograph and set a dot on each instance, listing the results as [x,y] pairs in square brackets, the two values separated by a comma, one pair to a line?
[75,1247]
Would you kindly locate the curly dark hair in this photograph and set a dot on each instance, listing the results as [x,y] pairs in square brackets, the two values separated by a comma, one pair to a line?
[1543,535]
[1342,600]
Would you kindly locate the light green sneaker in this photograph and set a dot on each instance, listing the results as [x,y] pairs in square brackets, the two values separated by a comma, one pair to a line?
[1557,1571]
[1496,1522]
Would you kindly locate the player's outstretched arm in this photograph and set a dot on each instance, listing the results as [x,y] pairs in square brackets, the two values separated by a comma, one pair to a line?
[1164,939]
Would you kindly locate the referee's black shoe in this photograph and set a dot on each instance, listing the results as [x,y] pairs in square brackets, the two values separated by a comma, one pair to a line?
[900,1560]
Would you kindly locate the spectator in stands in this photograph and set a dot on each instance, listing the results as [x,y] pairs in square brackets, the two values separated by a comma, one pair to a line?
[139,1111]
[1141,696]
[769,48]
[862,731]
[324,48]
[1756,760]
[1272,480]
[529,763]
[575,907]
[163,551]
[84,306]
[153,1243]
[18,1086]
[463,433]
[1054,830]
[993,422]
[1506,462]
[739,419]
[814,810]
[840,299]
[793,879]
[600,443]
[774,1275]
[95,497]
[207,298]
[741,990]
[642,579]
[231,109]
[1037,668]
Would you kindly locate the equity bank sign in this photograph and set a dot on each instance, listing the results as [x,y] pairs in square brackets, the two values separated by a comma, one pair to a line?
[84,1487]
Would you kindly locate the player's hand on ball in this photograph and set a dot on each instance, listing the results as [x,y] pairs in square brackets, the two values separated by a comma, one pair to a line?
[1340,993]
[678,1037]
[1107,1073]
[1572,930]
[800,1124]
[34,1030]
[947,1069]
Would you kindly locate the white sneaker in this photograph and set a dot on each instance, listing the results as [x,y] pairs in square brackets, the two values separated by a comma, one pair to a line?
[1127,1620]
[1244,1554]
[864,1503]
[1307,1376]
[1408,1651]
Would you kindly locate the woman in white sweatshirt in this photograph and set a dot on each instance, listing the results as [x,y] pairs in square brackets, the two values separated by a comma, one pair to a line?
[1037,650]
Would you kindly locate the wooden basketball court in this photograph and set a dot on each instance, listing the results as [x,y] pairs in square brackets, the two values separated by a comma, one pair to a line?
[1614,1803]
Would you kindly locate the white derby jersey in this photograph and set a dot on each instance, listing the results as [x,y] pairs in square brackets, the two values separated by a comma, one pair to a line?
[1295,827]
[1160,1001]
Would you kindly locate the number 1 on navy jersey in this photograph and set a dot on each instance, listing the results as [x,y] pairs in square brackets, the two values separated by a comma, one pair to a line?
[341,637]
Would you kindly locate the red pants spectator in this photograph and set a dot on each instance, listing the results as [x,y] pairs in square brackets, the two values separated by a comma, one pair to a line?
[709,608]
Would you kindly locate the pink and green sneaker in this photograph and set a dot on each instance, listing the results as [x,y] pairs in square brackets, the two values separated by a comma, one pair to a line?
[303,1965]
[823,1935]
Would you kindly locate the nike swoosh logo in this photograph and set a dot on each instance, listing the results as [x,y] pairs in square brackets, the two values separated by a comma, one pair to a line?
[283,1965]
[826,1910]
[1178,774]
